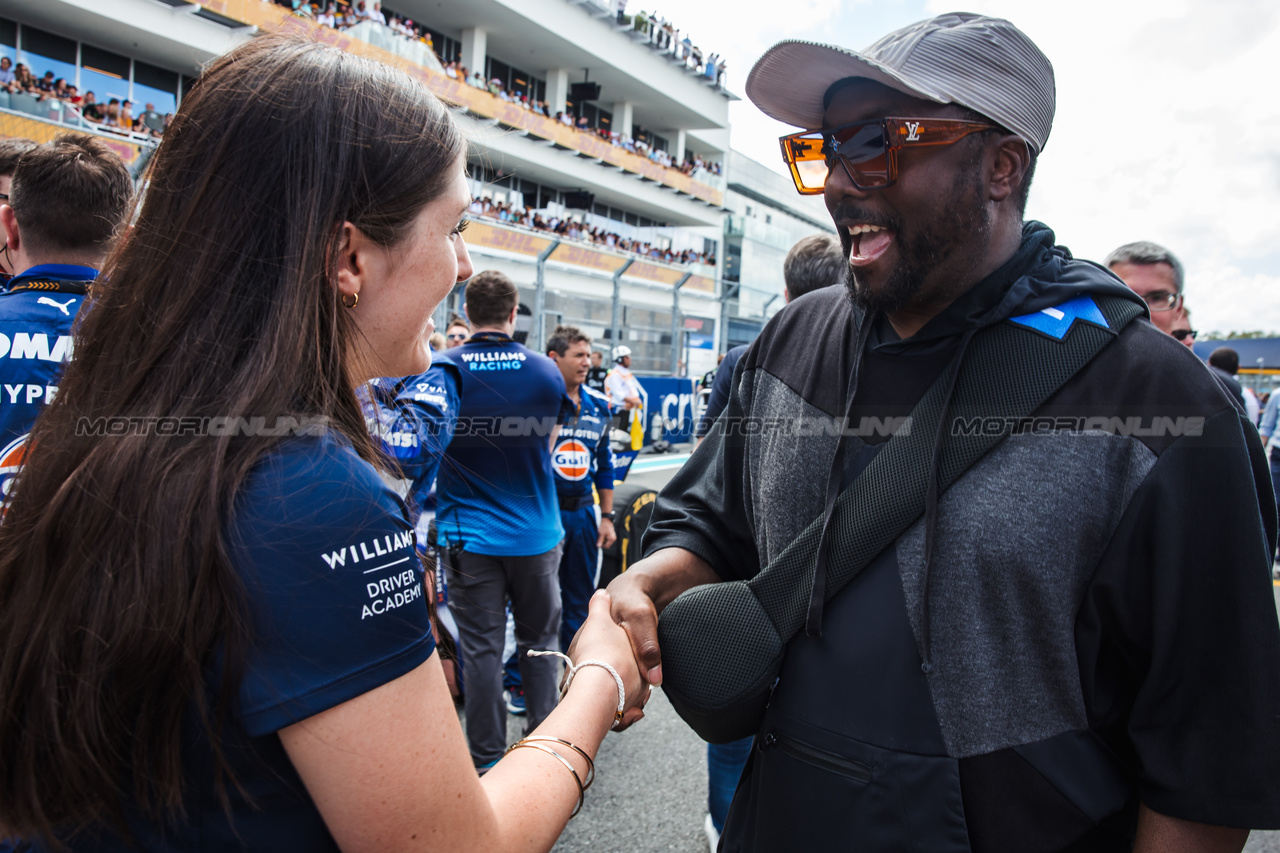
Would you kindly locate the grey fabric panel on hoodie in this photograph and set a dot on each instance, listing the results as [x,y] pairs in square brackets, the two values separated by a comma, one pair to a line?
[787,462]
[1018,539]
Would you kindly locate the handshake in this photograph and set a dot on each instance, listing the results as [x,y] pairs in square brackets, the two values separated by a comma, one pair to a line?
[621,628]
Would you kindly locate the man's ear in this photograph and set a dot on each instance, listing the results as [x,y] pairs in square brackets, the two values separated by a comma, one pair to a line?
[1012,161]
[514,312]
[9,223]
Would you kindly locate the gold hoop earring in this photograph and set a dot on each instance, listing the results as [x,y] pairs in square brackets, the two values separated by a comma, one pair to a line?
[355,297]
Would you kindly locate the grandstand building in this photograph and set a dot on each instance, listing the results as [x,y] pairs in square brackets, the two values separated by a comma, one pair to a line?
[600,138]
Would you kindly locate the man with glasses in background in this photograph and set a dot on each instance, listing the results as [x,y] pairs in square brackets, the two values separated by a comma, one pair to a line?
[1072,647]
[1154,273]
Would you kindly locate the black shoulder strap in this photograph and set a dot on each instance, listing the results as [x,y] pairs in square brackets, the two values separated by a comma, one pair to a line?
[1010,370]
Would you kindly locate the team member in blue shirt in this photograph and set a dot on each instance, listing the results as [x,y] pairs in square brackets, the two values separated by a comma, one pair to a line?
[581,458]
[414,418]
[65,202]
[216,638]
[498,516]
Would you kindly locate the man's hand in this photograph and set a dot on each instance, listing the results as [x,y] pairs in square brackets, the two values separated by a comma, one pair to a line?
[630,403]
[607,535]
[639,594]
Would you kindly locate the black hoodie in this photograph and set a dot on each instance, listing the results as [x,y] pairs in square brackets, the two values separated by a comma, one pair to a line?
[1099,625]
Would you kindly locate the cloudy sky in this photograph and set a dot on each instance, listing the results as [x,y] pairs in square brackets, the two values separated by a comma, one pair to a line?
[1167,129]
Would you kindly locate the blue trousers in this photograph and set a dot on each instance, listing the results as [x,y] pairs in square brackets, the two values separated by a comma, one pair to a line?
[724,768]
[579,570]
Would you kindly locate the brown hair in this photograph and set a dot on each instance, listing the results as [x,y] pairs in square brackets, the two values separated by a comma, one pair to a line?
[11,150]
[564,337]
[813,263]
[117,594]
[70,194]
[489,298]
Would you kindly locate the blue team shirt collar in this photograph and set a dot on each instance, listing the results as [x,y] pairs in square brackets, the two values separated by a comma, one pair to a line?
[490,338]
[74,272]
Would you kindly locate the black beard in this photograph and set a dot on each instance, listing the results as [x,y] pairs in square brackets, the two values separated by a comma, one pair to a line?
[964,221]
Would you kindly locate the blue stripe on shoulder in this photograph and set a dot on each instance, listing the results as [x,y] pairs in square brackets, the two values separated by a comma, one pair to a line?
[1056,322]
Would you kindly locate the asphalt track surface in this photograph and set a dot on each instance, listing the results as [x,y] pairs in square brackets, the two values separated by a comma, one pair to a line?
[651,786]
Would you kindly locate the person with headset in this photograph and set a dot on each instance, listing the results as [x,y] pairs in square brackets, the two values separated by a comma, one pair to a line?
[622,387]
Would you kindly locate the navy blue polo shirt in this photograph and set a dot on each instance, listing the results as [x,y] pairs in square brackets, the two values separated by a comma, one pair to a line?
[325,551]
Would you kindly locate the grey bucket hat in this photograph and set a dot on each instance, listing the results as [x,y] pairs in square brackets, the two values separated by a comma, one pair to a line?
[985,64]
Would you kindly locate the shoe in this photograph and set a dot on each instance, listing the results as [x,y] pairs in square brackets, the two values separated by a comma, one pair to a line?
[515,702]
[713,837]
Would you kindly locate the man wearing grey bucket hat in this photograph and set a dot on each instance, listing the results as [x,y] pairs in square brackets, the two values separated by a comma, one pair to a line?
[1072,647]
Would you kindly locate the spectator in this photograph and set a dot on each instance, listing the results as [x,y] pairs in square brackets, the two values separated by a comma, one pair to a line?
[111,115]
[45,85]
[375,14]
[1155,274]
[126,115]
[6,71]
[91,109]
[150,119]
[23,81]
[497,514]
[65,203]
[1225,362]
[329,17]
[60,92]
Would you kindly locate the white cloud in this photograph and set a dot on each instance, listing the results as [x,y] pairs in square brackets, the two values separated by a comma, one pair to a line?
[1167,127]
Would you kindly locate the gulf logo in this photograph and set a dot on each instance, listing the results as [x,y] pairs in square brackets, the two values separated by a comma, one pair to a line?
[571,460]
[10,460]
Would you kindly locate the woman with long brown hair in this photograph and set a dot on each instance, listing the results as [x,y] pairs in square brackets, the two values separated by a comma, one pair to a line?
[212,627]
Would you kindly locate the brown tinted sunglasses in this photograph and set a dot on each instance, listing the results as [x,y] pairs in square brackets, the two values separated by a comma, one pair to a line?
[867,150]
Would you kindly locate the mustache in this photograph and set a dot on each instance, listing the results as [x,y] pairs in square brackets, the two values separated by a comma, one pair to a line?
[850,211]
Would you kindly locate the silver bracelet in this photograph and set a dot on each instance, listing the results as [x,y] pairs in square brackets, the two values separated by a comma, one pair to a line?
[573,670]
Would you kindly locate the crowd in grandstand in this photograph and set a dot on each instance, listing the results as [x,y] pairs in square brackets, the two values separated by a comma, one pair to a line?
[115,115]
[572,229]
[666,37]
[661,34]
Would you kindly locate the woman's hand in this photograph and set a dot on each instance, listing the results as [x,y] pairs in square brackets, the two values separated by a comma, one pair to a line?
[600,638]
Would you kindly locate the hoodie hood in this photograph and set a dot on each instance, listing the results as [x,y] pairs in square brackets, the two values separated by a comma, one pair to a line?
[1039,275]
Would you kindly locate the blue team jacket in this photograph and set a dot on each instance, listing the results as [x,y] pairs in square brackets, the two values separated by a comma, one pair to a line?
[414,417]
[36,314]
